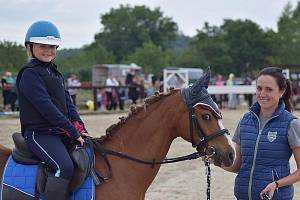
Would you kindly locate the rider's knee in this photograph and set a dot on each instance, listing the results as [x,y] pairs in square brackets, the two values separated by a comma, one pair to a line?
[67,170]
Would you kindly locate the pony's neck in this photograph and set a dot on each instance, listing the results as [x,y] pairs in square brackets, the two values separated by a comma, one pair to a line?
[147,135]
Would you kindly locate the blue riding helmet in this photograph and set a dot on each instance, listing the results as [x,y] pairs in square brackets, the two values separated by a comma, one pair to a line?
[43,32]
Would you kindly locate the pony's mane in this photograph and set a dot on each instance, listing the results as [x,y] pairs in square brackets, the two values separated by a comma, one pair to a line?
[134,110]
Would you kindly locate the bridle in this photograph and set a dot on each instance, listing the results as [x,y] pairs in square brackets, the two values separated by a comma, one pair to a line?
[204,139]
[203,149]
[197,95]
[194,96]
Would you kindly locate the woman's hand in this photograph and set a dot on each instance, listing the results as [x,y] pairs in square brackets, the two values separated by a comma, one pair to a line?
[270,189]
[80,140]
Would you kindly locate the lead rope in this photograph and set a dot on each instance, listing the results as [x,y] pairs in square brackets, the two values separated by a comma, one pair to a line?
[208,177]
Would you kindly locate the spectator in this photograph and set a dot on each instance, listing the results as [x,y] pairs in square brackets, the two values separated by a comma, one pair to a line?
[161,83]
[296,93]
[248,97]
[132,83]
[122,96]
[7,83]
[151,85]
[111,92]
[150,90]
[232,98]
[14,98]
[141,88]
[102,99]
[129,77]
[219,97]
[73,82]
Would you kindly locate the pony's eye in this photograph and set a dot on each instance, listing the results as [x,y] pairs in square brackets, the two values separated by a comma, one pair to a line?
[206,117]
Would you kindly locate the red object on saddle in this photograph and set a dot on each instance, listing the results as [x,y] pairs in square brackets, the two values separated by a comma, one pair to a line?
[79,127]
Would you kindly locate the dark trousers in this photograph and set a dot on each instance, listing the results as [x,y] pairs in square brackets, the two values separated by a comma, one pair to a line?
[51,149]
[10,98]
[110,101]
[6,97]
[121,104]
[133,94]
[13,100]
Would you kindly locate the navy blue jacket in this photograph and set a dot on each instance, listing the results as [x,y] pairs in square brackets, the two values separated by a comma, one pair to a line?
[265,154]
[42,104]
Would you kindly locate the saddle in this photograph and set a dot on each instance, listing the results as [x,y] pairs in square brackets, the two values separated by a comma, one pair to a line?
[82,162]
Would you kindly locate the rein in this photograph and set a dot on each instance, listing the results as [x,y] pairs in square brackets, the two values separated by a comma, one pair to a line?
[208,177]
[203,149]
[104,152]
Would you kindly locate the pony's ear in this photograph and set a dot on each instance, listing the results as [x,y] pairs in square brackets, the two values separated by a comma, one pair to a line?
[206,77]
[203,81]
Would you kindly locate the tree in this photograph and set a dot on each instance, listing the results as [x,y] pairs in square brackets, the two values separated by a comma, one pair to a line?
[210,42]
[289,35]
[99,54]
[236,46]
[179,46]
[151,57]
[12,56]
[247,45]
[192,58]
[127,28]
[81,61]
[207,49]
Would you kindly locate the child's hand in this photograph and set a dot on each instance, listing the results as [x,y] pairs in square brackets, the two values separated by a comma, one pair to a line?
[80,140]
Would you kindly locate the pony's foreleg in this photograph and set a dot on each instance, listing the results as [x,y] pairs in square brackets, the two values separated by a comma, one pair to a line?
[4,154]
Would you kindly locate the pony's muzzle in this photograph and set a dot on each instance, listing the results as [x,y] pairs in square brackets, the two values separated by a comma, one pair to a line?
[224,158]
[229,159]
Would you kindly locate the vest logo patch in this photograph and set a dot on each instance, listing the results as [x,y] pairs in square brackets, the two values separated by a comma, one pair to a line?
[272,136]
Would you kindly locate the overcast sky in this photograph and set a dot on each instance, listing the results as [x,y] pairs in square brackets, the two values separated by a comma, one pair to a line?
[79,20]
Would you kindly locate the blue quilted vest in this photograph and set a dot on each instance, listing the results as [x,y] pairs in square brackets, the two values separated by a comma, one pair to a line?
[265,154]
[29,115]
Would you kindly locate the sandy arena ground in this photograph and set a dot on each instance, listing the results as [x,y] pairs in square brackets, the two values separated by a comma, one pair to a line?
[183,181]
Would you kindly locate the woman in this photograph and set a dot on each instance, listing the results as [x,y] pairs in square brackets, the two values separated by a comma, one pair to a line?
[232,98]
[73,82]
[265,138]
[48,117]
[7,83]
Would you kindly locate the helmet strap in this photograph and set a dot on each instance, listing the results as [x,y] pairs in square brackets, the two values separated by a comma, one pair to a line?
[31,50]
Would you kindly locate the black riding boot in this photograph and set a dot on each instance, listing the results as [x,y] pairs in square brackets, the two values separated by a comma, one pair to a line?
[56,189]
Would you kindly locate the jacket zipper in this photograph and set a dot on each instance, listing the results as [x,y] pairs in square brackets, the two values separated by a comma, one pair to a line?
[255,153]
[275,177]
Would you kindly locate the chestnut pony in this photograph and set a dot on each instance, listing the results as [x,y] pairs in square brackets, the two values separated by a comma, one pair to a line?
[147,133]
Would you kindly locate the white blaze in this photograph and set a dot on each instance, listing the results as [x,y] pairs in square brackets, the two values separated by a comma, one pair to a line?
[227,136]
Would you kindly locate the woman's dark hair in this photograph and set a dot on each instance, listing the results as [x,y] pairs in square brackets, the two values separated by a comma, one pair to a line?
[282,82]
